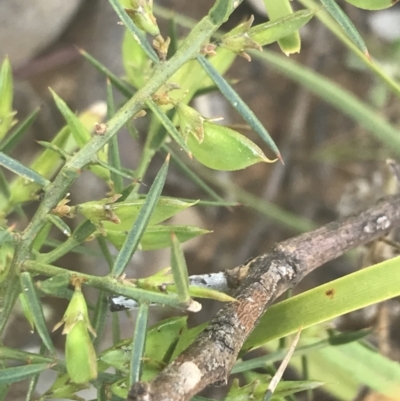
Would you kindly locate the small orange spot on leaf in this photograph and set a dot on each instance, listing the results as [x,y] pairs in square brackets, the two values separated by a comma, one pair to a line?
[330,293]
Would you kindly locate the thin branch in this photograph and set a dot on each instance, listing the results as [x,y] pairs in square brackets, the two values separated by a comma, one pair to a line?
[210,358]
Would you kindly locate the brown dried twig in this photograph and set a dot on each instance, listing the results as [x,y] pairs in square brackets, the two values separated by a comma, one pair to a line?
[210,358]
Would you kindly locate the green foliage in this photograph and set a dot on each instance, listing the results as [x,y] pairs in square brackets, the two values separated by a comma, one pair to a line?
[162,80]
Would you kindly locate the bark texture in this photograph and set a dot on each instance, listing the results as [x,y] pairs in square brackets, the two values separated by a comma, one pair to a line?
[210,358]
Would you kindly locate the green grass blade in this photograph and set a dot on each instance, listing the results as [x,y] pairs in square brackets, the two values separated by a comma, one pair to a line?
[179,270]
[134,30]
[18,373]
[16,167]
[135,234]
[260,362]
[238,104]
[339,98]
[343,20]
[13,139]
[35,306]
[354,291]
[138,343]
[347,367]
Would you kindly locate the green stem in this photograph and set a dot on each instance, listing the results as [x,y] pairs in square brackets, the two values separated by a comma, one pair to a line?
[80,235]
[55,191]
[108,283]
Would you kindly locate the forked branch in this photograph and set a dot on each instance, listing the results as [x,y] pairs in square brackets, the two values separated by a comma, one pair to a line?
[210,358]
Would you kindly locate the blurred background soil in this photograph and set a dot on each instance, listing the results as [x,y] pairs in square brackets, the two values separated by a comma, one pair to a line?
[327,156]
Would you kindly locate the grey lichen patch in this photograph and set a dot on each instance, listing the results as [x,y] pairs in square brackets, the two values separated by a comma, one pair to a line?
[380,224]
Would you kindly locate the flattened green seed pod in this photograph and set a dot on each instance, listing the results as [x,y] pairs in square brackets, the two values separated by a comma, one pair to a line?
[277,9]
[80,355]
[225,149]
[372,4]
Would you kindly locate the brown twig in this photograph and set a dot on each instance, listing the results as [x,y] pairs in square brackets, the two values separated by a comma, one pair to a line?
[209,359]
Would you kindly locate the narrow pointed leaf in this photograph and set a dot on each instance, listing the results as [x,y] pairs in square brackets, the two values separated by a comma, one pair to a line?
[30,294]
[60,224]
[113,148]
[179,269]
[135,234]
[6,98]
[80,133]
[134,30]
[16,167]
[100,317]
[13,139]
[343,20]
[239,105]
[9,291]
[18,373]
[138,344]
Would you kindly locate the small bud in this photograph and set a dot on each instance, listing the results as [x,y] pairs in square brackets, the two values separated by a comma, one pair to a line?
[190,121]
[208,49]
[98,211]
[62,209]
[238,40]
[162,97]
[100,129]
[142,15]
[161,45]
[80,355]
